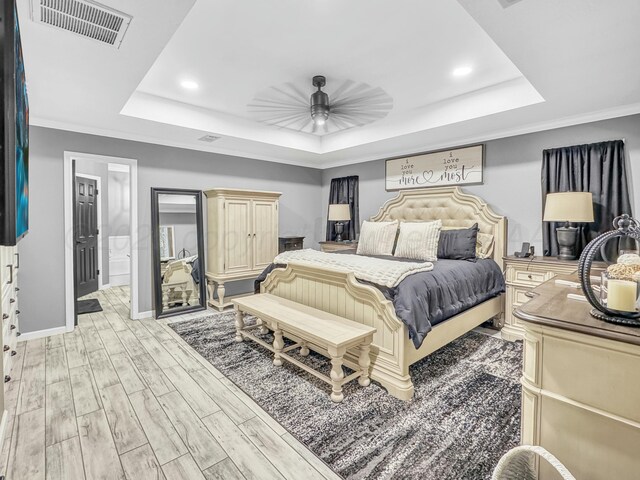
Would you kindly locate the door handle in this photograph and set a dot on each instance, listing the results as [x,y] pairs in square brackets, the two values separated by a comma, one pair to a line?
[17,260]
[10,267]
[79,242]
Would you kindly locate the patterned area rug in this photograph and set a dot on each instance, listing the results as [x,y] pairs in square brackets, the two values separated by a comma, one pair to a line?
[464,416]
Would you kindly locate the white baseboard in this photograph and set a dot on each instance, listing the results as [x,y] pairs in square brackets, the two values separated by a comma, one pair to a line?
[119,280]
[41,333]
[105,286]
[142,315]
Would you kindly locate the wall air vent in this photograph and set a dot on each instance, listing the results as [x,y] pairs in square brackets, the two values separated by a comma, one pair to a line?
[508,3]
[208,138]
[83,17]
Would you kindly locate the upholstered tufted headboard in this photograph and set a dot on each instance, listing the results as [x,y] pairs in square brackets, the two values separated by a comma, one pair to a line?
[454,207]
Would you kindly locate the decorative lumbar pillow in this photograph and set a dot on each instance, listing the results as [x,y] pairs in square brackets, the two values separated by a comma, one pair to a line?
[484,245]
[377,238]
[419,240]
[458,244]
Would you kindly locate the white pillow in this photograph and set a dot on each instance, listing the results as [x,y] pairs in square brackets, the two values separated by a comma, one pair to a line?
[377,238]
[419,240]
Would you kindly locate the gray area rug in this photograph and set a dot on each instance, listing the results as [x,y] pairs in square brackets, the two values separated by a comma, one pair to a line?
[464,416]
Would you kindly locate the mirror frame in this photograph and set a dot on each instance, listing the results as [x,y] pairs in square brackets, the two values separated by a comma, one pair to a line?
[155,238]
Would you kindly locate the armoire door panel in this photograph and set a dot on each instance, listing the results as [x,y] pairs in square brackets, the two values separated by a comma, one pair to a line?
[265,229]
[238,235]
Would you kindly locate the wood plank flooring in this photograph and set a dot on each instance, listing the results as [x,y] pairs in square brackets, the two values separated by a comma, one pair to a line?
[130,400]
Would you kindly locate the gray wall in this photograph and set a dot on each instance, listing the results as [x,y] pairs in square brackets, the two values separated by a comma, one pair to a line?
[512,175]
[42,250]
[98,169]
[512,187]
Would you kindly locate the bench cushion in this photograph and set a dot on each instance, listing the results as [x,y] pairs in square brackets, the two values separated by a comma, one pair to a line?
[314,325]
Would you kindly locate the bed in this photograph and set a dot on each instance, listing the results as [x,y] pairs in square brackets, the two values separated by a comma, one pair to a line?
[394,346]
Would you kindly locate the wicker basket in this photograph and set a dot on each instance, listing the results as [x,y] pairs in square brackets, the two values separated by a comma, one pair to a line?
[518,464]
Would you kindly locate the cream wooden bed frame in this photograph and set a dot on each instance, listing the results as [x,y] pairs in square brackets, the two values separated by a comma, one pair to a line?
[392,352]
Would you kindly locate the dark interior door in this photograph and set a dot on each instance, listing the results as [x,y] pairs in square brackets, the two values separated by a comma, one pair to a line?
[86,236]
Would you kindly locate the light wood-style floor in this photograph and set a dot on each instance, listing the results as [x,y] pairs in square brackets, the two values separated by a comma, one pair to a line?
[123,399]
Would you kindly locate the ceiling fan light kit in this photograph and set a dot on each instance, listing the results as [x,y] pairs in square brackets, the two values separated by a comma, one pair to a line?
[319,102]
[348,104]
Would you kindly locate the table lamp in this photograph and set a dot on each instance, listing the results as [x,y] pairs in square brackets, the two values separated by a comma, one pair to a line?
[568,207]
[339,213]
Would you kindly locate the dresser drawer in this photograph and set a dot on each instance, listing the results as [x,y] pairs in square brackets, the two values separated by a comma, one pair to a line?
[520,296]
[529,277]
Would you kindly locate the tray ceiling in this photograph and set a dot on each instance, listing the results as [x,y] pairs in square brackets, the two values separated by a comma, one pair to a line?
[189,68]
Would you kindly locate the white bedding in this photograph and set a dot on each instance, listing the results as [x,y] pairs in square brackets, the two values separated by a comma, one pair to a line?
[387,273]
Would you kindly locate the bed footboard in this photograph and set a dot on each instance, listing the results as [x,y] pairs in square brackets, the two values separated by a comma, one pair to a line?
[339,292]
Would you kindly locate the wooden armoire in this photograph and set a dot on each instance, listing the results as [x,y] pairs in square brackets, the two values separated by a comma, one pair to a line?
[242,237]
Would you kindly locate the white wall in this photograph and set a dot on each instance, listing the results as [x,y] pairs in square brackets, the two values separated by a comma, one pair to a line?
[512,176]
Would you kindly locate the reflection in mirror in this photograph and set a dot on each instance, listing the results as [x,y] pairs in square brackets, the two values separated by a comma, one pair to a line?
[178,247]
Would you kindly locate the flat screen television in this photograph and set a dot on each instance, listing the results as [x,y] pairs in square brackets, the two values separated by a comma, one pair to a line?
[14,130]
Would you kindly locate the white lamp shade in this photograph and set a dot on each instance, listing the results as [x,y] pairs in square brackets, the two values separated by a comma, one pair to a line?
[569,207]
[339,212]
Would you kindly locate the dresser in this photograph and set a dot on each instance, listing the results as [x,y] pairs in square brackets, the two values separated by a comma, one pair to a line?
[242,237]
[290,243]
[580,386]
[10,262]
[521,275]
[338,246]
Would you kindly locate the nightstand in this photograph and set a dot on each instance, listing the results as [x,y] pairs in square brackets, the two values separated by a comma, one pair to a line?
[521,276]
[337,246]
[287,244]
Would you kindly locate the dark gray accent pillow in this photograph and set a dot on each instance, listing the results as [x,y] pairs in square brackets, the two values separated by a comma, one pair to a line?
[459,244]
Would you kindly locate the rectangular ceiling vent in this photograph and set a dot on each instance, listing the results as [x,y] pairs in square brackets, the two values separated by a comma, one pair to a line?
[508,3]
[83,17]
[208,138]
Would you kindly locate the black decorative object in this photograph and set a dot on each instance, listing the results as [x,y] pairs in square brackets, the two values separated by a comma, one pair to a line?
[625,227]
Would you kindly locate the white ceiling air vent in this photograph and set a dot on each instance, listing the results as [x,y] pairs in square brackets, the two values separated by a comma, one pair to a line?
[83,17]
[508,3]
[208,138]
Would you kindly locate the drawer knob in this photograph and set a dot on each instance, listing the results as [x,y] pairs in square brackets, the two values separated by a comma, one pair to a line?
[12,300]
[7,378]
[17,289]
[13,353]
[6,348]
[12,327]
[17,312]
[530,277]
[5,316]
[18,334]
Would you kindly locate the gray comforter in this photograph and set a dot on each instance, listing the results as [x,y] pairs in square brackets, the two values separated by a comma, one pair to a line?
[425,299]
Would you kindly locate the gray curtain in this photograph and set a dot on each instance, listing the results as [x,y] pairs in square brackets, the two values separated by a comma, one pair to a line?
[345,190]
[599,168]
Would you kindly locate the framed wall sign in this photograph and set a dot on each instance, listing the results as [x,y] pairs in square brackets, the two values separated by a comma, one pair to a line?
[458,166]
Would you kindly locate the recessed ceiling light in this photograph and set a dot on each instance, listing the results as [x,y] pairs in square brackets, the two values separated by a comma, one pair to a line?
[189,85]
[462,71]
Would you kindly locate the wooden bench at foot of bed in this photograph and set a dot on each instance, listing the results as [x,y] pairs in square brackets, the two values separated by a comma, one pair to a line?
[311,326]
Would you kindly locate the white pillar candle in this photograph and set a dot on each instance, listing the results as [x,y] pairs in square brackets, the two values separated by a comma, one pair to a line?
[622,295]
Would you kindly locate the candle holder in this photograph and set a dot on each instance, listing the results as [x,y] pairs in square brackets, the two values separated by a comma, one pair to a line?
[617,298]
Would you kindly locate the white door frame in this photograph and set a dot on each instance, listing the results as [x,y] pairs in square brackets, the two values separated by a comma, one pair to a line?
[68,228]
[99,220]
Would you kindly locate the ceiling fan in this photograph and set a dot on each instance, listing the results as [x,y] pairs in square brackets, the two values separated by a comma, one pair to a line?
[351,104]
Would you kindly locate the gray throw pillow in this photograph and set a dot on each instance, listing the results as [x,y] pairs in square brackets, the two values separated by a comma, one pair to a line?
[458,244]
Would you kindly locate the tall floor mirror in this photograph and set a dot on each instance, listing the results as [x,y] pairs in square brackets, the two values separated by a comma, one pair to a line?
[178,251]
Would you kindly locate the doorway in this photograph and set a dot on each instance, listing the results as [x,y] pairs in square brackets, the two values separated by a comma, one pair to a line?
[101,271]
